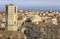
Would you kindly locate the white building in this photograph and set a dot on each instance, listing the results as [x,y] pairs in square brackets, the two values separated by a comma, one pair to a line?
[54,20]
[2,25]
[35,18]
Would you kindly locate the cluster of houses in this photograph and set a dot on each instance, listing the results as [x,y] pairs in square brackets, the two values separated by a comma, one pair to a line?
[34,16]
[48,17]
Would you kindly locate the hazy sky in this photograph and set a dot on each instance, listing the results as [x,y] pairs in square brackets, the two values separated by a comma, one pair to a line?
[32,3]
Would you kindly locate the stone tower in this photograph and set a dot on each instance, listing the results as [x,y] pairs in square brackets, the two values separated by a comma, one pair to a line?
[11,17]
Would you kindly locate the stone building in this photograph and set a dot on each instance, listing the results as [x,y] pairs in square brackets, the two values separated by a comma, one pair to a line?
[11,17]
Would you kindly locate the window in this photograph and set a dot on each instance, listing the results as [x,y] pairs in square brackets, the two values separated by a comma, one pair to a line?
[14,22]
[15,9]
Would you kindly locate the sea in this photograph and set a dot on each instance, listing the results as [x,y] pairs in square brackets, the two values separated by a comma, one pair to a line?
[52,8]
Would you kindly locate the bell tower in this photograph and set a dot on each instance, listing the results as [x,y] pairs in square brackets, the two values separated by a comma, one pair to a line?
[11,17]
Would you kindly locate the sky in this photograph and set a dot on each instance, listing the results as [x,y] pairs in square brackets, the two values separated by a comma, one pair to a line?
[31,4]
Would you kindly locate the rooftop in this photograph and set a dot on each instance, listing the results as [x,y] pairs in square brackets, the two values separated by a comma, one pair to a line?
[40,24]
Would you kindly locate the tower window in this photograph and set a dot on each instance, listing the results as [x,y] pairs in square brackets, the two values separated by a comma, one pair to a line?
[14,22]
[15,9]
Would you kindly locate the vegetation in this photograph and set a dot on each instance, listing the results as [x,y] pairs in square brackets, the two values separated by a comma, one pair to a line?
[32,32]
